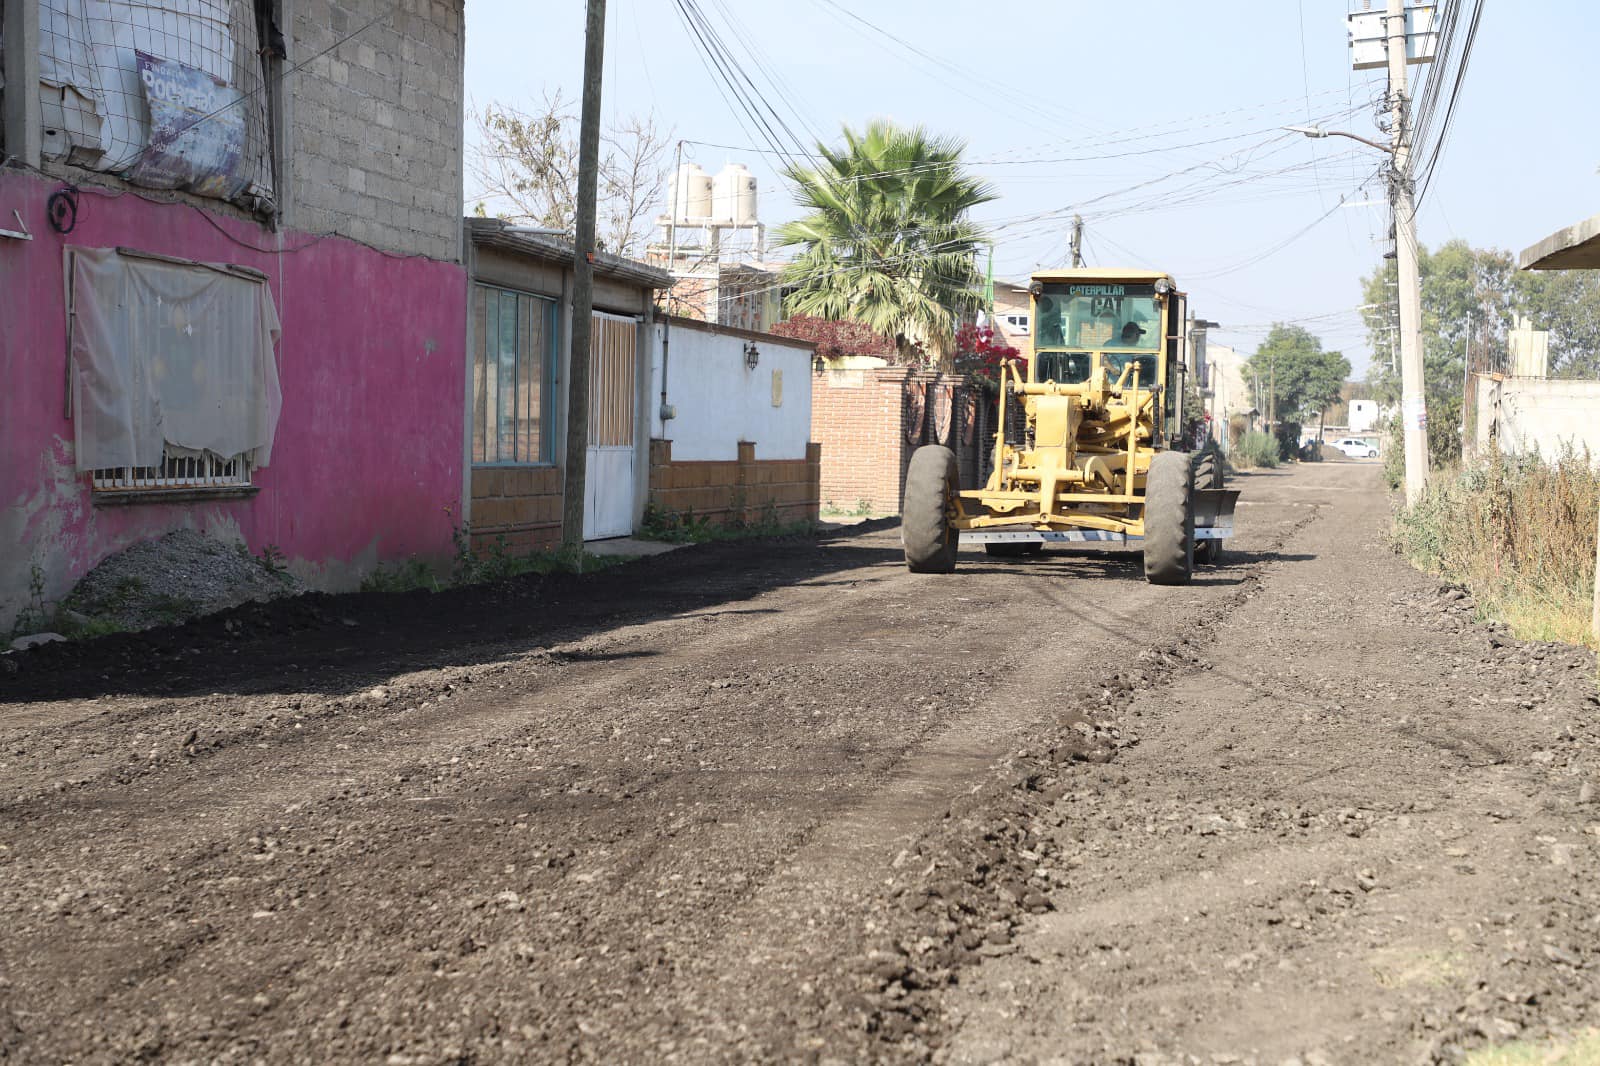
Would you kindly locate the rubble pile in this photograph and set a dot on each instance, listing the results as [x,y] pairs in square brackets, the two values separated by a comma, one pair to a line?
[181,575]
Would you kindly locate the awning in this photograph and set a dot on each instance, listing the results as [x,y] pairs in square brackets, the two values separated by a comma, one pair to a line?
[1575,248]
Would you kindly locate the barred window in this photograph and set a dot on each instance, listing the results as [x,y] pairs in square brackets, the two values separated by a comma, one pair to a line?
[513,368]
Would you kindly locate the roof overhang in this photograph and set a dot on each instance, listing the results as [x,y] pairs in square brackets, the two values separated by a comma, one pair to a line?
[494,233]
[1094,274]
[1575,248]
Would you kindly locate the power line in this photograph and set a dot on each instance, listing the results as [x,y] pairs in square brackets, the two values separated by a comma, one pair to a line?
[720,65]
[1437,149]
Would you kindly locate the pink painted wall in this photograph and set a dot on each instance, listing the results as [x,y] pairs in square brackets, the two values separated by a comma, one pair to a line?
[367,462]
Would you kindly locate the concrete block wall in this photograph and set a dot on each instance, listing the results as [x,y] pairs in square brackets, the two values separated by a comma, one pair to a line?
[376,124]
[732,492]
[516,506]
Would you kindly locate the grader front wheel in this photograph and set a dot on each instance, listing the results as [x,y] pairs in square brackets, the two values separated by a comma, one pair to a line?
[925,513]
[1169,520]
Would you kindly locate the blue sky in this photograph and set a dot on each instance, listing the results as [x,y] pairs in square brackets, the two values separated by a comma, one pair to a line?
[1158,122]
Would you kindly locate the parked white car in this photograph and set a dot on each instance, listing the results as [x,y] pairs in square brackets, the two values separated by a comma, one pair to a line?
[1355,449]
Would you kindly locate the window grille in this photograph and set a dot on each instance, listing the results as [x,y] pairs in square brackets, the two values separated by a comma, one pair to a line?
[513,376]
[176,473]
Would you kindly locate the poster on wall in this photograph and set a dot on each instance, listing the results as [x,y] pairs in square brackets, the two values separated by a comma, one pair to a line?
[197,131]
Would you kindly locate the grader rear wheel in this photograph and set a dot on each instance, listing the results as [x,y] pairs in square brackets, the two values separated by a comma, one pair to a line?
[1169,520]
[925,513]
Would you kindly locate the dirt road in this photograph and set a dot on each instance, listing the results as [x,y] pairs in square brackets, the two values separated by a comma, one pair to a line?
[787,802]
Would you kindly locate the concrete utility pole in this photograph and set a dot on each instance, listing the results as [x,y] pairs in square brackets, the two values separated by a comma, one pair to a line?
[594,46]
[1413,399]
[1272,395]
[19,25]
[1077,240]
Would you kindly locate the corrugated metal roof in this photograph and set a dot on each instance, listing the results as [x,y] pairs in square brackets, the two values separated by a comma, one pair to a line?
[495,233]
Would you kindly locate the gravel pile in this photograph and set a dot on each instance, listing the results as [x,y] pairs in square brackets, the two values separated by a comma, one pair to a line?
[178,576]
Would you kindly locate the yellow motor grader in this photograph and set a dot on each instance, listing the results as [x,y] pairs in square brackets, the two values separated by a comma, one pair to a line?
[1094,455]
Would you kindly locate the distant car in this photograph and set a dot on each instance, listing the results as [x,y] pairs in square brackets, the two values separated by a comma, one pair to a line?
[1355,449]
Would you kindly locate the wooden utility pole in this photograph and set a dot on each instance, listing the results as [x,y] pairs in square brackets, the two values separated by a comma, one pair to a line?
[572,503]
[1413,397]
[1077,240]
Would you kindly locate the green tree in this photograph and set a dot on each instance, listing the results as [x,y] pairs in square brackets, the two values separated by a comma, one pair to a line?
[1468,298]
[886,241]
[1304,379]
[1567,303]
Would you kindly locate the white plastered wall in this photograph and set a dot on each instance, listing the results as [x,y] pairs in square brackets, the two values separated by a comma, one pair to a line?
[720,401]
[1540,415]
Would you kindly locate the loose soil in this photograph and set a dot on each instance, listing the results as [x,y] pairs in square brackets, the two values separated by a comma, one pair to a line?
[783,801]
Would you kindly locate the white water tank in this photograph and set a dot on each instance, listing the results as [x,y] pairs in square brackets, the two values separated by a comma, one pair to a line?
[690,194]
[734,196]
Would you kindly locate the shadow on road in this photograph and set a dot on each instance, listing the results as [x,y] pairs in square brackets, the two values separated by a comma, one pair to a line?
[340,644]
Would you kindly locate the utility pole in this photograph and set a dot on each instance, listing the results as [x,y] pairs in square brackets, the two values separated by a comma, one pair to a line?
[1595,621]
[1272,395]
[1077,240]
[1466,390]
[594,45]
[1413,399]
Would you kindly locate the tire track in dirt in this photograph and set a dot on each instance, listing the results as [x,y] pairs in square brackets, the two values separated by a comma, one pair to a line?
[528,870]
[943,828]
[1359,844]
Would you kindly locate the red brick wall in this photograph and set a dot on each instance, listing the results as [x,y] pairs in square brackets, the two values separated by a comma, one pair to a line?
[862,421]
[745,490]
[521,504]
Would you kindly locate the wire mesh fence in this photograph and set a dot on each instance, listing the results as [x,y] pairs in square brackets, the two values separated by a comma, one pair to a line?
[168,94]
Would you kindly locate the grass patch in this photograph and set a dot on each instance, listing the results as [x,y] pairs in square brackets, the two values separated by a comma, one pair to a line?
[1519,533]
[1580,1050]
[685,527]
[470,567]
[408,576]
[497,564]
[86,628]
[1254,451]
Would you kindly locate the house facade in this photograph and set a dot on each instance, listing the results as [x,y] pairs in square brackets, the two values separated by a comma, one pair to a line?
[232,290]
[1013,310]
[519,316]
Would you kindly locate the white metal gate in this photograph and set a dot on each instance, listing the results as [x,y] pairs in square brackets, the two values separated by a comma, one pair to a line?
[608,480]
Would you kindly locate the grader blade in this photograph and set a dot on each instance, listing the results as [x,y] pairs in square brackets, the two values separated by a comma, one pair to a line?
[1213,513]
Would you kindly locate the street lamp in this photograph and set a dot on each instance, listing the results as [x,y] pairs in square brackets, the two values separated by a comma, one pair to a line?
[1318,131]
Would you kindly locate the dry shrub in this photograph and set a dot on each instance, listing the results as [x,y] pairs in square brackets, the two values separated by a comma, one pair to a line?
[1520,534]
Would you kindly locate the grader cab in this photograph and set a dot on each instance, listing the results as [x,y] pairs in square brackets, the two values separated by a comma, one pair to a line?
[1094,455]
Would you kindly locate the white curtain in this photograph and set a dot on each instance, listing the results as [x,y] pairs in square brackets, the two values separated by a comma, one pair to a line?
[170,358]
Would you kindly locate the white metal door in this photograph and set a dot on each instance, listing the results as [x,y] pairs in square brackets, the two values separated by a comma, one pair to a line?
[608,480]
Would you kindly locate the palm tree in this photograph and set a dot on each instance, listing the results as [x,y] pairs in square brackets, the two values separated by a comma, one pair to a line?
[887,242]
